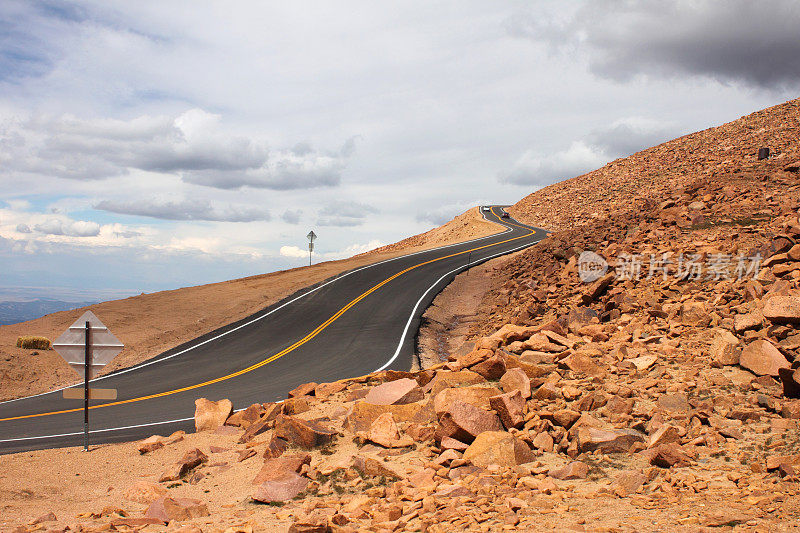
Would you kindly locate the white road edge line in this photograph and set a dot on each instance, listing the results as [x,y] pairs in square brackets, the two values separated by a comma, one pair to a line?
[137,367]
[99,430]
[414,311]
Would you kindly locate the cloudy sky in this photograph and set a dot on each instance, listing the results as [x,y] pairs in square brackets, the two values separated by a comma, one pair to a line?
[150,145]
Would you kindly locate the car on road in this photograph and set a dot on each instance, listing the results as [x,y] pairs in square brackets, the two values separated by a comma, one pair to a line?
[487,208]
[504,215]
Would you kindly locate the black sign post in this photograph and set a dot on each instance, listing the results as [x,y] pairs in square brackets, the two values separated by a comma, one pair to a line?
[87,365]
[87,346]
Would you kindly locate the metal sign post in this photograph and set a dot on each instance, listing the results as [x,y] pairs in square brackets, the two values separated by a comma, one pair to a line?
[311,236]
[87,365]
[87,346]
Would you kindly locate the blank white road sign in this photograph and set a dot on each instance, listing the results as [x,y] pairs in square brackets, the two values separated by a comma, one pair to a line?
[71,345]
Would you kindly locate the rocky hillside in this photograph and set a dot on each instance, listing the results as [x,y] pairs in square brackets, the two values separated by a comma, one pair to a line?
[637,370]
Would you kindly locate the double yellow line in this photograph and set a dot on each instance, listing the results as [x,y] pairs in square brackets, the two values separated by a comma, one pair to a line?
[285,351]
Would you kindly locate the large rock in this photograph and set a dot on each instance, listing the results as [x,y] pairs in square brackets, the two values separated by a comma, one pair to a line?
[167,508]
[541,343]
[668,455]
[449,443]
[725,349]
[384,432]
[303,390]
[477,396]
[498,448]
[399,391]
[364,414]
[370,466]
[664,435]
[325,390]
[562,417]
[543,441]
[464,422]
[582,364]
[492,368]
[628,482]
[510,333]
[246,417]
[144,492]
[209,415]
[744,321]
[190,460]
[783,309]
[271,412]
[596,288]
[510,407]
[607,440]
[694,314]
[762,358]
[573,470]
[275,448]
[445,379]
[305,434]
[281,488]
[150,444]
[516,379]
[276,467]
[676,402]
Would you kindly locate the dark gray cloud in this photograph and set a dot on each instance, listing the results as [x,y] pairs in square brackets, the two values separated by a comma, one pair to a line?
[77,228]
[185,210]
[281,172]
[191,146]
[344,213]
[734,41]
[291,216]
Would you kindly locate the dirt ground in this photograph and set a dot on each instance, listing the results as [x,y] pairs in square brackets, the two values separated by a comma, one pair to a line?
[150,324]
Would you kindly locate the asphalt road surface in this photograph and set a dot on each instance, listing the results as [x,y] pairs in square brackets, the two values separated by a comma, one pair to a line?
[350,325]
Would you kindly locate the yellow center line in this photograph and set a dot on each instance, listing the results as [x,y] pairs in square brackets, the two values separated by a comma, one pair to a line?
[285,351]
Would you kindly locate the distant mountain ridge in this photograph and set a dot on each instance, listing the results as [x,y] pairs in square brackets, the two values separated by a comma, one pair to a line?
[13,312]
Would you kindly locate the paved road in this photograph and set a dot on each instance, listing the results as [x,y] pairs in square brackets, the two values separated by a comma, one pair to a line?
[358,322]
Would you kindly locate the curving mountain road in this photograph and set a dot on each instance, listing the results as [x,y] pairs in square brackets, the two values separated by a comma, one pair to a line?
[358,322]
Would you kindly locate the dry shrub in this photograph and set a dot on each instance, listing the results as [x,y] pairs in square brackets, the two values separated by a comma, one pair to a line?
[32,342]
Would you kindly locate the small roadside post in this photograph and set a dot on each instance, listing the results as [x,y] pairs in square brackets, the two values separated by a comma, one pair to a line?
[311,236]
[87,346]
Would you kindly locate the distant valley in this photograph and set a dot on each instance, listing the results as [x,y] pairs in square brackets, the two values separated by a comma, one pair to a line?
[13,312]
